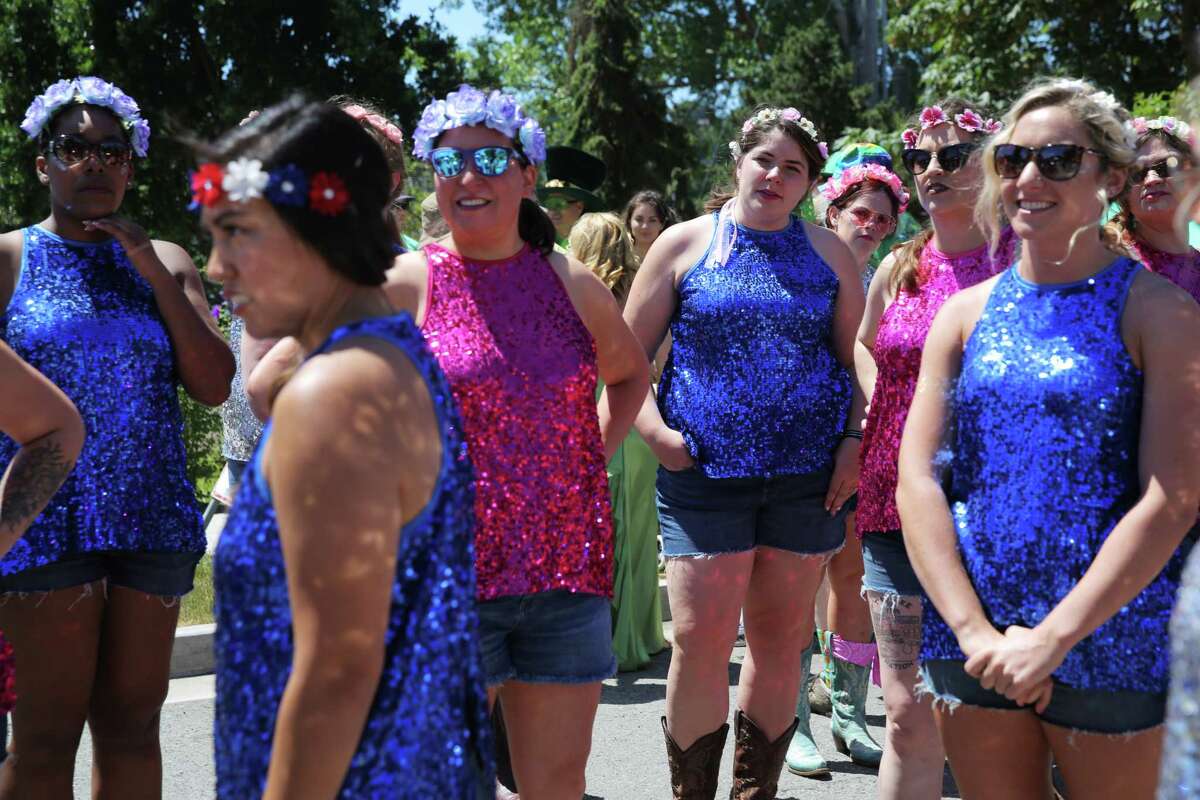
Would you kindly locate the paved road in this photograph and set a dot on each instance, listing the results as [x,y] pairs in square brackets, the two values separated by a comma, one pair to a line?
[627,763]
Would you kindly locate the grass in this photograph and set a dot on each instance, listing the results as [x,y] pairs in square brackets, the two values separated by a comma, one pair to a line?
[197,606]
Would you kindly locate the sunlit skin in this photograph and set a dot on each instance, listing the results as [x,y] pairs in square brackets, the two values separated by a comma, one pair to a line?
[645,226]
[1155,201]
[864,224]
[949,197]
[88,190]
[564,213]
[772,179]
[1059,221]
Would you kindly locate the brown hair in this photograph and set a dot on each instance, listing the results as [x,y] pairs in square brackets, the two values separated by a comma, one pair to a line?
[393,152]
[1124,221]
[751,137]
[649,197]
[602,243]
[857,191]
[906,256]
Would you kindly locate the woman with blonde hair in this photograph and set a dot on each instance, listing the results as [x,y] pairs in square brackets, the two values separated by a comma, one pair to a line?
[600,241]
[1049,472]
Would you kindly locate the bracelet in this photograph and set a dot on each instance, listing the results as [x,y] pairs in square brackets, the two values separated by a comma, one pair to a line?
[852,434]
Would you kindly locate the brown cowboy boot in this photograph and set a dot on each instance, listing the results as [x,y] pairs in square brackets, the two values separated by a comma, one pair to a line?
[694,771]
[757,762]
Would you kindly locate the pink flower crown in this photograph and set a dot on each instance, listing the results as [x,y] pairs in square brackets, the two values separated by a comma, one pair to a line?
[932,116]
[1176,127]
[844,181]
[390,132]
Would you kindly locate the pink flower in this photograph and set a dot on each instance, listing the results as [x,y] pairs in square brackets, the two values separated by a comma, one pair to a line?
[1168,124]
[824,148]
[748,125]
[969,121]
[1139,125]
[933,115]
[790,114]
[992,126]
[909,137]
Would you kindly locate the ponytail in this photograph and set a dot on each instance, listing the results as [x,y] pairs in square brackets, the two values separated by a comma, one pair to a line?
[535,228]
[906,270]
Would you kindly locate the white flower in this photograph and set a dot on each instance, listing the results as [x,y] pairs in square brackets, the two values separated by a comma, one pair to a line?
[244,179]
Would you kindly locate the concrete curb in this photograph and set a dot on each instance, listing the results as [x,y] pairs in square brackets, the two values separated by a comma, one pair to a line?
[193,653]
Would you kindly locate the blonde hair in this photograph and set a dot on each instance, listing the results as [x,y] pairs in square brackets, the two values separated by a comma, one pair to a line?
[601,242]
[1098,112]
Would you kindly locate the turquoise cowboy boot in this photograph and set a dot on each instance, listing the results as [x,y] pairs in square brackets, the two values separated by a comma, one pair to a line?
[849,694]
[803,757]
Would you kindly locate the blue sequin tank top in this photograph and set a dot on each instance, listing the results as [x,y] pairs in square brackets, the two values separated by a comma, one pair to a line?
[83,316]
[427,732]
[752,382]
[1047,414]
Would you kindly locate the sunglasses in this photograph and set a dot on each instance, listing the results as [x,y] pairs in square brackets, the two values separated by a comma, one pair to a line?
[1166,169]
[449,162]
[1056,162]
[950,158]
[71,150]
[865,217]
[558,202]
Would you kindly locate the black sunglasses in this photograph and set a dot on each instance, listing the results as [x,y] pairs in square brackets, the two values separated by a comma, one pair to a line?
[1056,162]
[1166,169]
[71,149]
[950,158]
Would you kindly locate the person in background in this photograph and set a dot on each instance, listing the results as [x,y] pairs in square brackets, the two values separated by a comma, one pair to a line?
[572,178]
[646,216]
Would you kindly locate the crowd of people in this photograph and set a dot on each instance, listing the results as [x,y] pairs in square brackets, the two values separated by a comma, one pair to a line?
[964,463]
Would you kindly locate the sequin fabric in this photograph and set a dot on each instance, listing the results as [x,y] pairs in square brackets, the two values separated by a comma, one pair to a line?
[752,382]
[1180,779]
[899,342]
[240,428]
[523,370]
[1181,269]
[427,733]
[1044,462]
[83,316]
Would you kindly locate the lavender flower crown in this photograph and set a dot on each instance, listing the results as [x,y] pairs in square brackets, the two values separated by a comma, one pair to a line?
[469,106]
[767,116]
[93,91]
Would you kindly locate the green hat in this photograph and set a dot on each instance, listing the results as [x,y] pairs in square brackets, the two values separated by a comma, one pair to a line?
[575,174]
[854,154]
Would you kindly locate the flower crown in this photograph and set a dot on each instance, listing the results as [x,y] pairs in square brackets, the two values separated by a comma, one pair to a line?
[469,106]
[93,91]
[839,184]
[766,116]
[968,120]
[390,131]
[1176,127]
[287,185]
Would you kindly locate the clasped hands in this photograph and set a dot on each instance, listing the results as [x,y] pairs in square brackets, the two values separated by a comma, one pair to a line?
[1016,664]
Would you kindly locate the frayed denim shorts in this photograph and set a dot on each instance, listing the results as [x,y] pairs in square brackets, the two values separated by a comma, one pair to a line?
[157,573]
[886,568]
[547,637]
[702,516]
[1084,710]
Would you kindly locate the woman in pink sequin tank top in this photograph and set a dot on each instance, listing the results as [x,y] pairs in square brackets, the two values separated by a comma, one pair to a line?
[523,334]
[911,285]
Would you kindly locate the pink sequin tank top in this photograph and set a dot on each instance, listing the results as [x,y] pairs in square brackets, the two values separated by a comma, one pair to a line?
[899,342]
[1181,269]
[522,368]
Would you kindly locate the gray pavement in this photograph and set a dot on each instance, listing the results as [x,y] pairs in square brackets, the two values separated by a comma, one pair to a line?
[627,763]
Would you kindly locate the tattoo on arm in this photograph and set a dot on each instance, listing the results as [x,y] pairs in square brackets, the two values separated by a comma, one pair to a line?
[34,476]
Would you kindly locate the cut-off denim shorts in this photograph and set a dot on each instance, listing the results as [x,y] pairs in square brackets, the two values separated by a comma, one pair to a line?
[547,637]
[1085,710]
[702,516]
[886,568]
[157,573]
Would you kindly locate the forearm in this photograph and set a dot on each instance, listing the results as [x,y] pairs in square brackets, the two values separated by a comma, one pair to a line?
[932,546]
[858,405]
[34,475]
[317,730]
[1134,553]
[202,357]
[619,405]
[865,370]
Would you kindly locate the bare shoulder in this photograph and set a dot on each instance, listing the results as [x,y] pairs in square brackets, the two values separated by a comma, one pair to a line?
[833,250]
[1157,308]
[11,244]
[964,308]
[405,281]
[174,258]
[680,247]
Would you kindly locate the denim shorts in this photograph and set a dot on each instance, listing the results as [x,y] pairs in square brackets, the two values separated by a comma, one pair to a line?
[886,568]
[547,637]
[157,573]
[1087,710]
[703,516]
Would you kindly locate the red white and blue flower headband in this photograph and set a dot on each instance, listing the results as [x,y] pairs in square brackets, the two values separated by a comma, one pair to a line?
[932,116]
[93,91]
[469,106]
[844,181]
[245,179]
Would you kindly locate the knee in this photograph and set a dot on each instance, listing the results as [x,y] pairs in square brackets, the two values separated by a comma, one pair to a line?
[130,716]
[54,740]
[911,731]
[845,576]
[699,643]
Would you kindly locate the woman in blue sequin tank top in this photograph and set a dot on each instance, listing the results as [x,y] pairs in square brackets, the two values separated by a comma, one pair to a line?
[1052,557]
[118,321]
[345,576]
[748,427]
